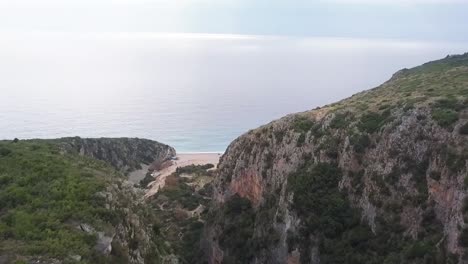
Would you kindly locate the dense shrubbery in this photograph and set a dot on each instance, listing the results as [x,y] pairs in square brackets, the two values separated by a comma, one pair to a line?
[340,121]
[372,122]
[464,129]
[238,228]
[360,143]
[444,117]
[445,111]
[183,194]
[328,216]
[146,180]
[41,193]
[301,140]
[173,206]
[4,151]
[302,124]
[318,200]
[194,169]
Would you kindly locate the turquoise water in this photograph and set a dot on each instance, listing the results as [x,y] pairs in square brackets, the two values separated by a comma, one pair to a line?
[194,92]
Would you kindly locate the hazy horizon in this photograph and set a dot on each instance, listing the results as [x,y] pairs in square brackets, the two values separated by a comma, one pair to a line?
[196,92]
[198,73]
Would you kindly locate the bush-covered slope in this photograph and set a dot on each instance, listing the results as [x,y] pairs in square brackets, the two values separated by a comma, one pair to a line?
[380,177]
[58,207]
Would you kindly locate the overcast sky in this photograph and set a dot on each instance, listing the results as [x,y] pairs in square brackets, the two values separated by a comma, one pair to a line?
[155,68]
[428,20]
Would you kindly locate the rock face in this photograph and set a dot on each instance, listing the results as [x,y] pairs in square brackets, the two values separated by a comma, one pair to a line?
[380,177]
[132,239]
[125,154]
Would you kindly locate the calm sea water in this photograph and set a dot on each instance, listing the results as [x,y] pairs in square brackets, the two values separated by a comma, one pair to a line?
[194,92]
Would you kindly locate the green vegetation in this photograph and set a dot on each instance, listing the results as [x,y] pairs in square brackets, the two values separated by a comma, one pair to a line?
[455,161]
[301,140]
[360,143]
[464,129]
[238,227]
[279,135]
[317,198]
[372,122]
[463,240]
[435,175]
[328,216]
[302,124]
[195,169]
[146,180]
[340,121]
[185,192]
[444,117]
[42,193]
[442,86]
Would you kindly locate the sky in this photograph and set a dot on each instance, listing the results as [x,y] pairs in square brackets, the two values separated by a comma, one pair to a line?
[424,20]
[154,68]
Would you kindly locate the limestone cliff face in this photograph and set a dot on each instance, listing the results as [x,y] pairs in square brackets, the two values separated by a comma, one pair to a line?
[399,153]
[125,154]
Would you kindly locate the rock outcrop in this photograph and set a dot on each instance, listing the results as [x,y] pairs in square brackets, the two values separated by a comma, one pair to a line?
[125,154]
[379,177]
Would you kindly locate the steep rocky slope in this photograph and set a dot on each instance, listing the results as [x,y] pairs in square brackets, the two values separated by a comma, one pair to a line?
[58,206]
[380,177]
[125,154]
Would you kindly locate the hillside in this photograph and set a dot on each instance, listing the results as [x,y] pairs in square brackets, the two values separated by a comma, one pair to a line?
[380,177]
[57,206]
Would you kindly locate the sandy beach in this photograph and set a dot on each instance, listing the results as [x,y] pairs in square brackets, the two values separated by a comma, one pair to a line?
[183,159]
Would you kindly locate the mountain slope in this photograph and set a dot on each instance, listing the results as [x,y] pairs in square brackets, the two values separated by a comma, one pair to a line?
[58,206]
[124,154]
[378,177]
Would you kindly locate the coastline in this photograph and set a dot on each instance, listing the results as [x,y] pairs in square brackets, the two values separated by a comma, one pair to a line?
[181,160]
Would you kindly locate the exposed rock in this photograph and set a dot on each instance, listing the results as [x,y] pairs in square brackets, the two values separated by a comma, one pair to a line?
[125,154]
[104,244]
[402,166]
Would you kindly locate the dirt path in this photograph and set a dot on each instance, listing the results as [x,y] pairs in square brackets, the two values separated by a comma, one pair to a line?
[182,161]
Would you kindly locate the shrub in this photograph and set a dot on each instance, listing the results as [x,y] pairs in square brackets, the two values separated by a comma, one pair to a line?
[463,239]
[418,250]
[444,117]
[340,121]
[238,228]
[279,135]
[360,143]
[455,161]
[448,103]
[300,140]
[194,169]
[302,124]
[463,129]
[326,213]
[317,198]
[4,151]
[372,122]
[435,175]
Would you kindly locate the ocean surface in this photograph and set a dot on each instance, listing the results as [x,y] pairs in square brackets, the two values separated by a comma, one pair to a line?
[196,92]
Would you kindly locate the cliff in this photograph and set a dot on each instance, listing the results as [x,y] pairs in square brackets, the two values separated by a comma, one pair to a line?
[125,154]
[379,177]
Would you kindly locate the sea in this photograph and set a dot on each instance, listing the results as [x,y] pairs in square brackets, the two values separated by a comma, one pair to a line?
[196,92]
